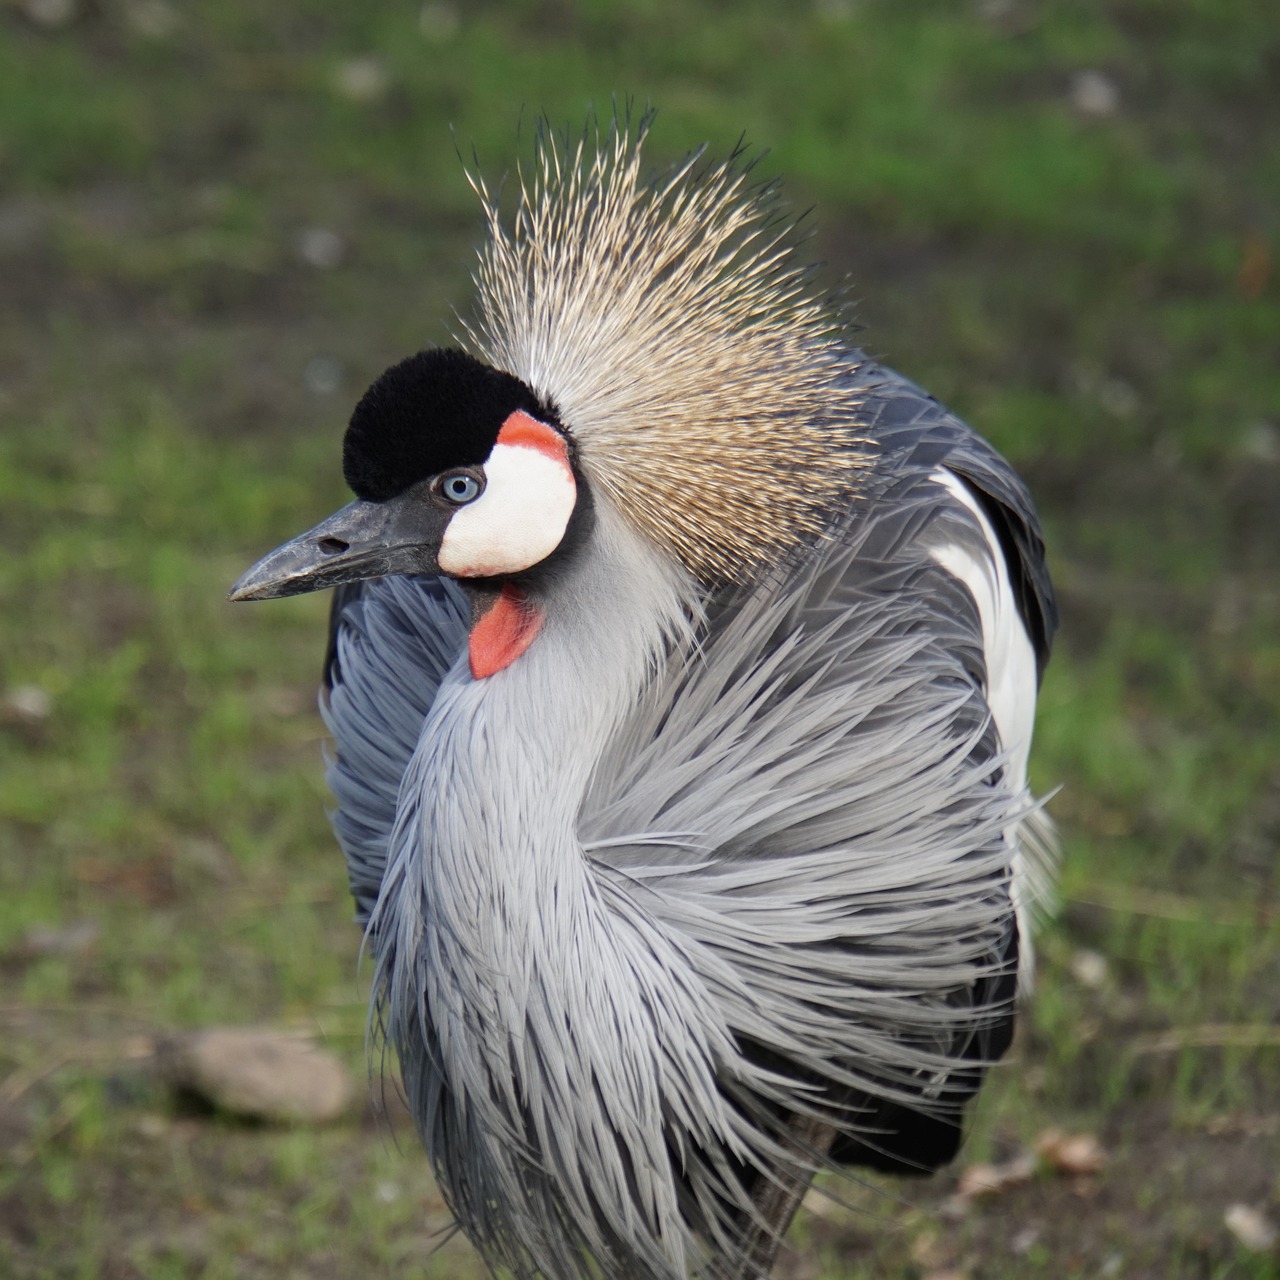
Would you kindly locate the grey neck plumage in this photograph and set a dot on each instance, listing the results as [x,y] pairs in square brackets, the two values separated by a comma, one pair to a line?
[536,970]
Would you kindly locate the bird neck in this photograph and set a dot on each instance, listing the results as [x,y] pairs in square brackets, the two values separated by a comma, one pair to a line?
[491,799]
[502,953]
[606,622]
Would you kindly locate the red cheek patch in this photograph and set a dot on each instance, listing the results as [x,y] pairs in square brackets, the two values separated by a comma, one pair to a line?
[509,627]
[520,429]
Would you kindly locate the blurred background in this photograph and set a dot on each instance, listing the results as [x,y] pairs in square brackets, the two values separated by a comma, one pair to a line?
[219,222]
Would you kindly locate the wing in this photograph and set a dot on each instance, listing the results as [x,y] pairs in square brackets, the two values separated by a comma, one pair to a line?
[917,433]
[391,641]
[825,778]
[990,541]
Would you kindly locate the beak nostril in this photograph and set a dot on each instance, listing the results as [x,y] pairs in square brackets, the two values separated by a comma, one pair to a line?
[332,546]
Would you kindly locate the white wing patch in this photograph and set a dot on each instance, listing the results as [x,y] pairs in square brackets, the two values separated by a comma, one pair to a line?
[1009,655]
[519,519]
[1011,688]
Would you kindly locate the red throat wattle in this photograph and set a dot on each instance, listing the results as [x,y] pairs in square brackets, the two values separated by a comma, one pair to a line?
[503,633]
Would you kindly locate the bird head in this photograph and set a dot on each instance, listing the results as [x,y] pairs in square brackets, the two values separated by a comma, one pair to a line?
[647,343]
[457,469]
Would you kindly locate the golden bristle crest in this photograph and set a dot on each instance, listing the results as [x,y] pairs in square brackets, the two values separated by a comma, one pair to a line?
[674,329]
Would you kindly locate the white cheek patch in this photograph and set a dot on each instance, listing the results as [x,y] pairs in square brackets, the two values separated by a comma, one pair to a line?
[519,519]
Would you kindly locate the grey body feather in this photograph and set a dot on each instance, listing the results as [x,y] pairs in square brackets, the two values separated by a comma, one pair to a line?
[694,864]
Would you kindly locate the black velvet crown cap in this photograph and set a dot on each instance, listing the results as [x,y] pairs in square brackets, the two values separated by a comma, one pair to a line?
[436,410]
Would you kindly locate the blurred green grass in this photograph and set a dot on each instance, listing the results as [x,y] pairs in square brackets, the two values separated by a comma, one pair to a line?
[1092,285]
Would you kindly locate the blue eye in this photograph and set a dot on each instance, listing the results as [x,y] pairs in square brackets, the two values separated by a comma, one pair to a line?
[459,487]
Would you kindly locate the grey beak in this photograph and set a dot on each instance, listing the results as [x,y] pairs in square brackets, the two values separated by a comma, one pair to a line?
[363,540]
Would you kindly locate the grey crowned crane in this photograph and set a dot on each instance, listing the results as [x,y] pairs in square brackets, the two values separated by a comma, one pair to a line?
[681,672]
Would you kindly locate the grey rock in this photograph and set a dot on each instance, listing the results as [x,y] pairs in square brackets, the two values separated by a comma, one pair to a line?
[265,1074]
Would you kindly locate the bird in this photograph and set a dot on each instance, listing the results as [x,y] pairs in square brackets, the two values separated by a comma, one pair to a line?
[681,678]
